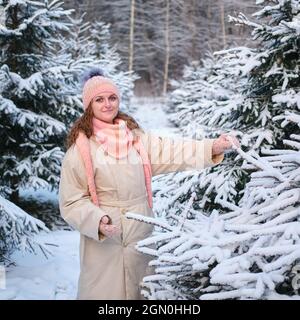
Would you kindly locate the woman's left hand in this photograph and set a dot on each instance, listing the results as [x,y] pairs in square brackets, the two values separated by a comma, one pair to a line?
[223,143]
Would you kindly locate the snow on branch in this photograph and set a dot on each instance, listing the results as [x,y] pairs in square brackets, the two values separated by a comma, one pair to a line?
[246,253]
[17,230]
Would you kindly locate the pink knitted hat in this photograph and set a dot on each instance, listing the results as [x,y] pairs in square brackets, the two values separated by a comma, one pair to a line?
[95,84]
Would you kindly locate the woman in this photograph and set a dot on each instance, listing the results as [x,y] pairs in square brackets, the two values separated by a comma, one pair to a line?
[106,172]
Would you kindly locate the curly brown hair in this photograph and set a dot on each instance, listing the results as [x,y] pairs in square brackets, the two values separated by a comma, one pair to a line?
[85,124]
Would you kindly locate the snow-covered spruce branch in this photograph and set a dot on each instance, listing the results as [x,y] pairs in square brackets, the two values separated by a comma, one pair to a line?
[17,230]
[260,164]
[243,20]
[246,253]
[24,117]
[156,222]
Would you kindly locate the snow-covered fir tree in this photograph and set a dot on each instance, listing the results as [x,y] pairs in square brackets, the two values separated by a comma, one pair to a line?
[204,103]
[33,94]
[250,252]
[209,92]
[40,91]
[225,94]
[277,72]
[247,246]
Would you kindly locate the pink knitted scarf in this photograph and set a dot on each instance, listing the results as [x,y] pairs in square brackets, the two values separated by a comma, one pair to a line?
[116,139]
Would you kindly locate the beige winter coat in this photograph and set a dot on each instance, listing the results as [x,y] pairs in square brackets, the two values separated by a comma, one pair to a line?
[111,268]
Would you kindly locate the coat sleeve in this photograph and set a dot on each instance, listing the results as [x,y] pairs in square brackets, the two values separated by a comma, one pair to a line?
[75,203]
[172,155]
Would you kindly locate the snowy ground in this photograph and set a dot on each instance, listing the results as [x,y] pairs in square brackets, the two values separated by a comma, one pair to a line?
[34,276]
[151,116]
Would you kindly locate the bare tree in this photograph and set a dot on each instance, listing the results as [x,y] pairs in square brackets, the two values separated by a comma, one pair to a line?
[167,40]
[221,2]
[131,36]
[156,38]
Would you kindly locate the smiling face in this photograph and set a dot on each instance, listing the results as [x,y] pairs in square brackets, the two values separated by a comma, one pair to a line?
[105,106]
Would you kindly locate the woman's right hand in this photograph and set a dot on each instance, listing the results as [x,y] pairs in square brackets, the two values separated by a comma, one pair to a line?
[109,230]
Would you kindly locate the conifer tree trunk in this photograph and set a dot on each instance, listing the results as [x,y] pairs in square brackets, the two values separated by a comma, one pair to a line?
[223,23]
[194,28]
[131,36]
[167,42]
[209,22]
